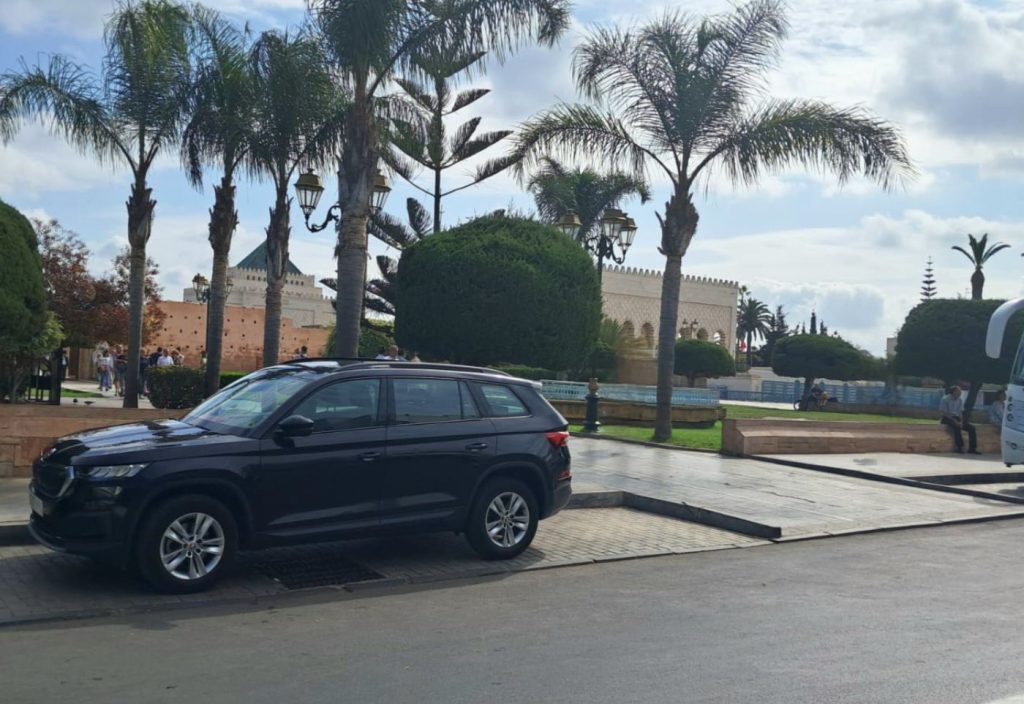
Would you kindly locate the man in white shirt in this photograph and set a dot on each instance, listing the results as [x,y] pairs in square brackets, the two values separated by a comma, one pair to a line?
[165,360]
[952,407]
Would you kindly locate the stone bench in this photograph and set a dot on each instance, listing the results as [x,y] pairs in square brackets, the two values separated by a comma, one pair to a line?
[742,437]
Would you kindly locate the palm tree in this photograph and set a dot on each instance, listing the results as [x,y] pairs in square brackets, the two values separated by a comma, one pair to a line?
[685,97]
[126,117]
[296,116]
[219,132]
[429,145]
[754,323]
[979,254]
[558,190]
[370,42]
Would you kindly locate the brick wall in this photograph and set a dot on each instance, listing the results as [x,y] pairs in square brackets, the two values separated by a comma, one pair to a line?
[185,328]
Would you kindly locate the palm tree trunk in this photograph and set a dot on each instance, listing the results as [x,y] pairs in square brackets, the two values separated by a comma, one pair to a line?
[140,224]
[277,268]
[355,183]
[977,284]
[223,221]
[750,353]
[677,230]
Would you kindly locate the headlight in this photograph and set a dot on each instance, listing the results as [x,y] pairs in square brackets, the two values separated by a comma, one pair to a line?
[114,471]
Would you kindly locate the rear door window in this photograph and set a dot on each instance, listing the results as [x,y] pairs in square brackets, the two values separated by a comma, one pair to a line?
[432,401]
[503,401]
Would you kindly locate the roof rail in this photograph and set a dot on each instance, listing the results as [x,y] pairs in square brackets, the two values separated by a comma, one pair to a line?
[398,364]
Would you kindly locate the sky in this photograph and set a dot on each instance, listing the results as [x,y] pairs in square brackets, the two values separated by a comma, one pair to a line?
[946,72]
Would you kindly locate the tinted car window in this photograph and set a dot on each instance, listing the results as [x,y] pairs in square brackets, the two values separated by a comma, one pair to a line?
[502,401]
[247,402]
[469,409]
[345,405]
[428,400]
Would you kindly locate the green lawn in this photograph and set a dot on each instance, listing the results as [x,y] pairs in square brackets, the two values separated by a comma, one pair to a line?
[73,393]
[711,438]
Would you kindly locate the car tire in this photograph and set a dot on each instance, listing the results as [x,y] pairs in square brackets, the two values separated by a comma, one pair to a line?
[503,519]
[186,543]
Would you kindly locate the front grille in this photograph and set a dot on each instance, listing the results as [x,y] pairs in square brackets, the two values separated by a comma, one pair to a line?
[49,478]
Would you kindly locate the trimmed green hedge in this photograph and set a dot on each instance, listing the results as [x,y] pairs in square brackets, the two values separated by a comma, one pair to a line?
[499,290]
[525,372]
[175,387]
[231,377]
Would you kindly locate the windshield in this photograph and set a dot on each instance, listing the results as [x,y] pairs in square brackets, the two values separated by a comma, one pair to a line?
[248,402]
[1017,375]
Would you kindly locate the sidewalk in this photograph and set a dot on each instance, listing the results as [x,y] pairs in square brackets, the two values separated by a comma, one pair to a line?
[108,400]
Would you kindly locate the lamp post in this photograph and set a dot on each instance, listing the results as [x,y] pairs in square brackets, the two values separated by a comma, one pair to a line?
[308,189]
[612,239]
[201,286]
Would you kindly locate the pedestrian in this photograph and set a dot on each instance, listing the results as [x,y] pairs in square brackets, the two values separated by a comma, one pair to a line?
[303,352]
[120,369]
[952,407]
[179,357]
[106,370]
[202,358]
[165,360]
[63,364]
[143,367]
[382,354]
[998,407]
[154,358]
[97,354]
[415,357]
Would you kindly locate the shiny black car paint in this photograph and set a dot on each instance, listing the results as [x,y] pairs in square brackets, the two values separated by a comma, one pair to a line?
[281,489]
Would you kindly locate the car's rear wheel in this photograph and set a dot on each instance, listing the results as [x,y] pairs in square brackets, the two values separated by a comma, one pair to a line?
[503,519]
[186,543]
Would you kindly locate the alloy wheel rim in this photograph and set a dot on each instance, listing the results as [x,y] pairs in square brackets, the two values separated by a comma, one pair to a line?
[507,519]
[192,546]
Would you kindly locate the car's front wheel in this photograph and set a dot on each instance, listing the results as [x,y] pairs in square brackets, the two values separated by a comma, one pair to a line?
[503,519]
[186,543]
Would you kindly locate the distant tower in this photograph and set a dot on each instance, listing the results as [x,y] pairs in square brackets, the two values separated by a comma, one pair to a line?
[814,323]
[928,290]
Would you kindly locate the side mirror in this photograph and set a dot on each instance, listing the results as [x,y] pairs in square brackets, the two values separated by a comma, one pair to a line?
[295,426]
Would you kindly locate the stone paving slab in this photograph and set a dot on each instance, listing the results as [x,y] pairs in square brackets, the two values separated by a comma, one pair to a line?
[905,465]
[799,502]
[36,583]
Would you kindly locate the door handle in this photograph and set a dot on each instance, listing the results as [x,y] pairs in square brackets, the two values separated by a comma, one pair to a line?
[369,456]
[475,446]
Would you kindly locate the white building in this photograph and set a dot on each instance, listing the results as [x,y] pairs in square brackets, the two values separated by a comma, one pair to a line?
[302,300]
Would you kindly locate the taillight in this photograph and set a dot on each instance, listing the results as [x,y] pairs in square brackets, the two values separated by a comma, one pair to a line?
[558,438]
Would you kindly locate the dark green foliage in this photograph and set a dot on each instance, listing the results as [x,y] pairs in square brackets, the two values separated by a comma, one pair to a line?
[230,377]
[697,358]
[22,296]
[819,356]
[372,340]
[526,372]
[499,289]
[945,338]
[175,387]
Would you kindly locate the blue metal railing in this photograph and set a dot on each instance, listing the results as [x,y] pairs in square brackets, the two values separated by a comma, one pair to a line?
[577,391]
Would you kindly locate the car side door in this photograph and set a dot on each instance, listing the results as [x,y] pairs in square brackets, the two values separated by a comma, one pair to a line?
[328,481]
[438,444]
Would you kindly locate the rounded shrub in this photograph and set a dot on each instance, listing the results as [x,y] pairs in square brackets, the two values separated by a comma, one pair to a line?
[175,387]
[499,290]
[698,358]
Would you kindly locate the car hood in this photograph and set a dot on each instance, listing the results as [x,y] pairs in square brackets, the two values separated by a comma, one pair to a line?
[136,442]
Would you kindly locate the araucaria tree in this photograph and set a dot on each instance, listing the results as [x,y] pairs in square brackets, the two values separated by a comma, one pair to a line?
[428,144]
[127,117]
[219,132]
[686,96]
[928,290]
[296,114]
[980,253]
[372,41]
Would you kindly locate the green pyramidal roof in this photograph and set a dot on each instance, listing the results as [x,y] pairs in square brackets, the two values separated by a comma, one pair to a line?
[257,259]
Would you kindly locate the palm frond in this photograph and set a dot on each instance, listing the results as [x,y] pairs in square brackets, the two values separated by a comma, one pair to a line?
[468,97]
[389,230]
[816,135]
[969,255]
[476,145]
[65,97]
[419,219]
[582,133]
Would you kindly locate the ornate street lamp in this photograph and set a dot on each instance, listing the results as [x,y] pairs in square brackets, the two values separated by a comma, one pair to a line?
[613,238]
[569,224]
[201,286]
[309,188]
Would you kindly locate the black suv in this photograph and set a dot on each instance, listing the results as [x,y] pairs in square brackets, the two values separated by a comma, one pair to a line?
[309,451]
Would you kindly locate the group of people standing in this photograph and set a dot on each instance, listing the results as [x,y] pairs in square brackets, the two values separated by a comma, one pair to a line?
[396,354]
[112,366]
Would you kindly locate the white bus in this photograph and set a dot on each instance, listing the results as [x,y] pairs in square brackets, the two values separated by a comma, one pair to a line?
[1013,423]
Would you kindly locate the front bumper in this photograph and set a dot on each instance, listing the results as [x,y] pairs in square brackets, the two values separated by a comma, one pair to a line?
[79,532]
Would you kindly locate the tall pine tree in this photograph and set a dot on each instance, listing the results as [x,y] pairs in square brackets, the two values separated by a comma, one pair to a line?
[928,290]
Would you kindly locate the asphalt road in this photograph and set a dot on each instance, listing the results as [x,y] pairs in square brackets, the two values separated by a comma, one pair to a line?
[930,616]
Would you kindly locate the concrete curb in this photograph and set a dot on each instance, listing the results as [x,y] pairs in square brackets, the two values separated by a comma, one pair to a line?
[15,533]
[885,479]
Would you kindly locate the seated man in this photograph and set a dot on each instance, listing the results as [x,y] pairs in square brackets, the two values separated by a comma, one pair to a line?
[952,408]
